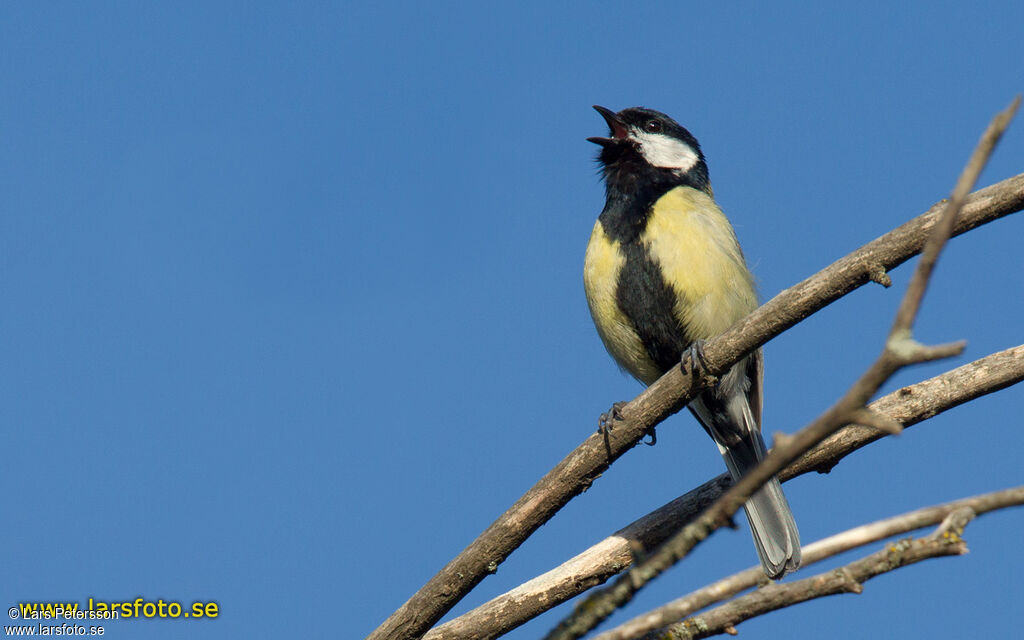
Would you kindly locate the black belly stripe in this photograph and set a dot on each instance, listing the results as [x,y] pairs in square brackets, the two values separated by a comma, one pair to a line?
[649,303]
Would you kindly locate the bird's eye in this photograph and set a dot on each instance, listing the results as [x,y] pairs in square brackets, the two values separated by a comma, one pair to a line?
[653,126]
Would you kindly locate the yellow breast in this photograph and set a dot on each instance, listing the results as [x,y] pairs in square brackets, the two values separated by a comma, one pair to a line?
[700,258]
[601,268]
[695,248]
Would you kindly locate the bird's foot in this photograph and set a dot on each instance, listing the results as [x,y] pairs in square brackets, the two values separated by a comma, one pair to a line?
[695,363]
[654,437]
[607,419]
[606,422]
[693,360]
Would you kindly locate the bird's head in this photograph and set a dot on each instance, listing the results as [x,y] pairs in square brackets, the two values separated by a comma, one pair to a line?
[644,144]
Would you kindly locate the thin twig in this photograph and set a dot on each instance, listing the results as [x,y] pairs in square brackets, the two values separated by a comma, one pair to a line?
[900,351]
[816,552]
[579,469]
[907,406]
[911,302]
[946,540]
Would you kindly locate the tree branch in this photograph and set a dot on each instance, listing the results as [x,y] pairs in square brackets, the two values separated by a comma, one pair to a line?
[812,553]
[900,351]
[945,541]
[907,406]
[580,468]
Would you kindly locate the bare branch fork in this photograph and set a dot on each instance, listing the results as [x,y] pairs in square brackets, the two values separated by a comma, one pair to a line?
[908,406]
[812,553]
[900,350]
[578,470]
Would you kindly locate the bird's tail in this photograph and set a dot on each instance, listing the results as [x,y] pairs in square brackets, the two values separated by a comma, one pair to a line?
[771,521]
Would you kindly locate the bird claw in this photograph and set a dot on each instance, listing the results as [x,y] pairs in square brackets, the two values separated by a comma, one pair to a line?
[695,363]
[654,437]
[607,419]
[693,360]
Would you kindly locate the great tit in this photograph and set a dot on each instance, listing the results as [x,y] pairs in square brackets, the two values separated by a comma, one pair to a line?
[664,271]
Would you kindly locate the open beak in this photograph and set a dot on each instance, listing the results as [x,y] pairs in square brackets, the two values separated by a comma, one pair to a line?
[616,127]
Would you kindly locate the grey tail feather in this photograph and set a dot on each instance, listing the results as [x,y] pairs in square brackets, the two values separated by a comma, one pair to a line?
[771,521]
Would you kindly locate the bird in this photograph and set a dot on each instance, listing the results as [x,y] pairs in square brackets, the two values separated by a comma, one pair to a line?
[663,272]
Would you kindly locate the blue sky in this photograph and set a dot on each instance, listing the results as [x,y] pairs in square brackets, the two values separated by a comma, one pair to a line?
[292,300]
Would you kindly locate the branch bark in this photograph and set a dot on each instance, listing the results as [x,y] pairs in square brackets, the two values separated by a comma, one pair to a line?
[900,351]
[909,406]
[812,553]
[582,466]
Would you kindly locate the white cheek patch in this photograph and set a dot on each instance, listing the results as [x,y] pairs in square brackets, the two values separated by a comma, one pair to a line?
[664,151]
